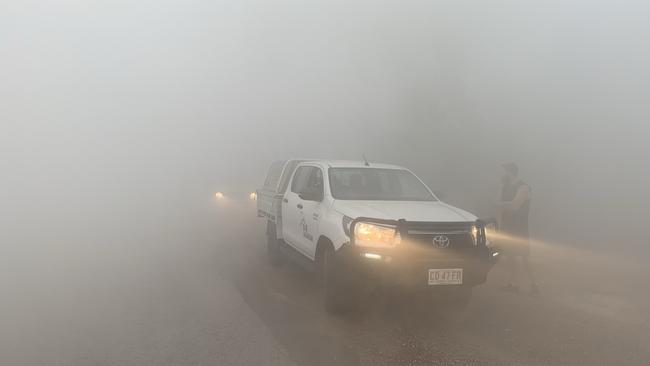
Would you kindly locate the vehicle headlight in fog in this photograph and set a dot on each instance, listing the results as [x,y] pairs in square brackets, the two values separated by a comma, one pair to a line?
[375,236]
[218,195]
[372,255]
[253,196]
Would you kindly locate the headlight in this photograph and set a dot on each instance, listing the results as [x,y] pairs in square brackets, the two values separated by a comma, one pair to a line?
[375,236]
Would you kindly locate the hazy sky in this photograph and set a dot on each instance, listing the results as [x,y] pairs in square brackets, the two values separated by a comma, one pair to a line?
[111,106]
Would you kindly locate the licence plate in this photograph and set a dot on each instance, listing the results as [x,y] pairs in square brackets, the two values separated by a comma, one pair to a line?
[446,276]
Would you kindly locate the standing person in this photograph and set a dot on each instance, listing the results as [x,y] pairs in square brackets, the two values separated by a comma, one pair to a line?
[514,206]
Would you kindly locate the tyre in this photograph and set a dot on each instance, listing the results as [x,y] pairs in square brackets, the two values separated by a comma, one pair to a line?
[338,294]
[273,245]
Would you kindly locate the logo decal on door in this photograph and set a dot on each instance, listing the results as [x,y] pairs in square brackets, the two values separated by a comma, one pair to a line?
[305,230]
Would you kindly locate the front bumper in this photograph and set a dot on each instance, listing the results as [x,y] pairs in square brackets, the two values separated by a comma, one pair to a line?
[408,263]
[409,266]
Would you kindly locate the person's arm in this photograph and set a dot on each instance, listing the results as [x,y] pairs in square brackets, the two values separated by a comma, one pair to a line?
[523,194]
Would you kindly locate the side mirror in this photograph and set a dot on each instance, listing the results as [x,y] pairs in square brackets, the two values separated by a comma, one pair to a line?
[311,196]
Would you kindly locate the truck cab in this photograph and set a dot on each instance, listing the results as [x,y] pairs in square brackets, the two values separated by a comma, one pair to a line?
[360,225]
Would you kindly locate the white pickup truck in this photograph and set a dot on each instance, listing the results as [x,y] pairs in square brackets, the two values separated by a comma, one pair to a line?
[360,225]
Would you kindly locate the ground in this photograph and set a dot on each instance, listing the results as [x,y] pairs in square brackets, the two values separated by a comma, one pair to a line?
[203,293]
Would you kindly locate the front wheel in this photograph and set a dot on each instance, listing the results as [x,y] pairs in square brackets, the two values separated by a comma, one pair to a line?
[338,293]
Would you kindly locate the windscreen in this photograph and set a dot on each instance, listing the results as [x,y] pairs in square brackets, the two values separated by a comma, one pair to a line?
[377,184]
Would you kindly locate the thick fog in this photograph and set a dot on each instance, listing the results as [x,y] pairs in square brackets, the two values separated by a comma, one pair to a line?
[108,105]
[120,119]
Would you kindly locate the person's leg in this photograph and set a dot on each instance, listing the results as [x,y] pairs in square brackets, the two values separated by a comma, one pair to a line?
[511,267]
[529,272]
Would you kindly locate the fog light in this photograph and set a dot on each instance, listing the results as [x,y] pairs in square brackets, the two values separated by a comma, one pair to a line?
[372,255]
[218,195]
[495,254]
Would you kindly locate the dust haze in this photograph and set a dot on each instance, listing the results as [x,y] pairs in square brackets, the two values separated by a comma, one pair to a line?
[121,119]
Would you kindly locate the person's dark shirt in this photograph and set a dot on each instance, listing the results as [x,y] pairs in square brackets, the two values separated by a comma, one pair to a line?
[515,222]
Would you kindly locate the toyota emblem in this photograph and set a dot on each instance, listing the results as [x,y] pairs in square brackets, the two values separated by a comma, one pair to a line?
[440,241]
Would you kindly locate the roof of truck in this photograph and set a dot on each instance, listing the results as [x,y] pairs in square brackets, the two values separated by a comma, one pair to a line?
[353,164]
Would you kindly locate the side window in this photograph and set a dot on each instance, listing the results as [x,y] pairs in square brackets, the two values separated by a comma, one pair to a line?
[315,182]
[300,179]
[286,177]
[273,176]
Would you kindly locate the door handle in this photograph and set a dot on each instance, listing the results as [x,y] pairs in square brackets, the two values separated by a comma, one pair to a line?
[299,206]
[285,200]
